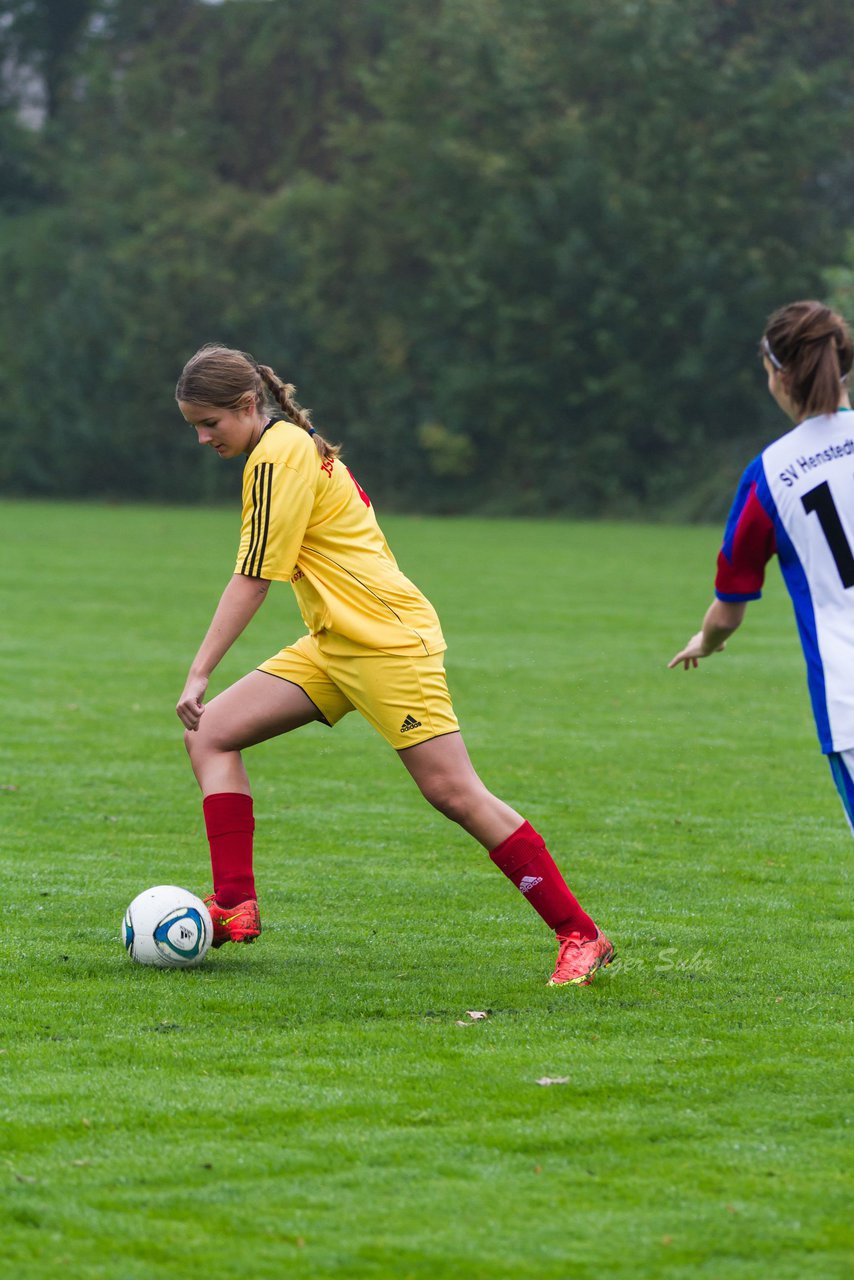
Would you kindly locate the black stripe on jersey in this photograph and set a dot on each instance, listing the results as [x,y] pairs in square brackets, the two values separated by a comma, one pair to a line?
[245,567]
[267,502]
[261,501]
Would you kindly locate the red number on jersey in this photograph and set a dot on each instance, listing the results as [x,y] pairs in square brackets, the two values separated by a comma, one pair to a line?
[362,493]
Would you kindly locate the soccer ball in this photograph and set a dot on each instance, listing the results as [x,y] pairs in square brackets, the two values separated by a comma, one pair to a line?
[167,927]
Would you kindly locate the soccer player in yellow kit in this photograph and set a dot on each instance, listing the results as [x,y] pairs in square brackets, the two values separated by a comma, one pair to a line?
[374,644]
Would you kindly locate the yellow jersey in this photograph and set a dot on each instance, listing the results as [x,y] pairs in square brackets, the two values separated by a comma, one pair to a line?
[306,521]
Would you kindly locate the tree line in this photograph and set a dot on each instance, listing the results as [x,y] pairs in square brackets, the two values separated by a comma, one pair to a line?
[516,257]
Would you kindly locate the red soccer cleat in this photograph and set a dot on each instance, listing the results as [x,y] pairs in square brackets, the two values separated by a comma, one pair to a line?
[579,958]
[234,924]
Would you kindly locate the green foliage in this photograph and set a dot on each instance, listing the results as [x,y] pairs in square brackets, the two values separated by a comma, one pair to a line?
[39,39]
[311,1106]
[550,234]
[840,280]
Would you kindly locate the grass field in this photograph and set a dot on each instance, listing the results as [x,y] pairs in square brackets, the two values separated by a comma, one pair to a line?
[322,1104]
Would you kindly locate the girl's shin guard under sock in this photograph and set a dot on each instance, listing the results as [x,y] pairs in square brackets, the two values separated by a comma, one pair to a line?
[230,826]
[524,859]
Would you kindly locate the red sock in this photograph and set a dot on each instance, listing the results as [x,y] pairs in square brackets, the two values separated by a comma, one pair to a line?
[524,859]
[230,824]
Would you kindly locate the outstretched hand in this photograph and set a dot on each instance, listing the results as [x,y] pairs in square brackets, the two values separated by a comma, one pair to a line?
[191,705]
[695,649]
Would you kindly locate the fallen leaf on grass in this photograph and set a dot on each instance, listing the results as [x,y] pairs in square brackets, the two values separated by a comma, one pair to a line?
[476,1015]
[544,1080]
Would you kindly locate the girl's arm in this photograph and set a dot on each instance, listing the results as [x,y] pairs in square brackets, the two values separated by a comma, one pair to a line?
[238,605]
[722,618]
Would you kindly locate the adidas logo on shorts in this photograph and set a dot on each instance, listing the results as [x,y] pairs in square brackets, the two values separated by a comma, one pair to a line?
[410,723]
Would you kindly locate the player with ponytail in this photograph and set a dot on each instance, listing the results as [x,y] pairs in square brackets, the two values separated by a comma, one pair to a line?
[373,644]
[796,500]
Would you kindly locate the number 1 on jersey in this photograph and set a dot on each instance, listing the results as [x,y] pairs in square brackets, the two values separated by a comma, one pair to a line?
[820,500]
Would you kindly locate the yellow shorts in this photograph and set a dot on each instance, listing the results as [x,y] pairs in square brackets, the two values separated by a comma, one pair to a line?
[404,697]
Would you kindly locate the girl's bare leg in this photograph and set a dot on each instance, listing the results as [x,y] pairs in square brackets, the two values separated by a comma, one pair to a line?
[446,777]
[256,708]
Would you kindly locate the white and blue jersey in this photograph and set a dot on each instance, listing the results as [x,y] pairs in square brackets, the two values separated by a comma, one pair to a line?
[797,499]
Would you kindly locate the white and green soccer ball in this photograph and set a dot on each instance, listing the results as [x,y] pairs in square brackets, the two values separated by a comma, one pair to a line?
[167,927]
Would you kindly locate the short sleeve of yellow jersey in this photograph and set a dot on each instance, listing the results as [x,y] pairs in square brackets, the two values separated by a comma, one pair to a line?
[279,483]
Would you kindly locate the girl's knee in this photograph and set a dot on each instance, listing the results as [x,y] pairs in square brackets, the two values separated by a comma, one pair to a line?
[452,800]
[196,743]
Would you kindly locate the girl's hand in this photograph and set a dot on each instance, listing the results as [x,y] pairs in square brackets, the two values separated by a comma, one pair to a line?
[190,706]
[695,649]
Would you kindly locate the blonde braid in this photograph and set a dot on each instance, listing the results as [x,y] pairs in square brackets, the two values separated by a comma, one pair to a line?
[283,393]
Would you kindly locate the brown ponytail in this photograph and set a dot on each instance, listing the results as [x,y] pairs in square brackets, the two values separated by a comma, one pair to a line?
[222,376]
[812,346]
